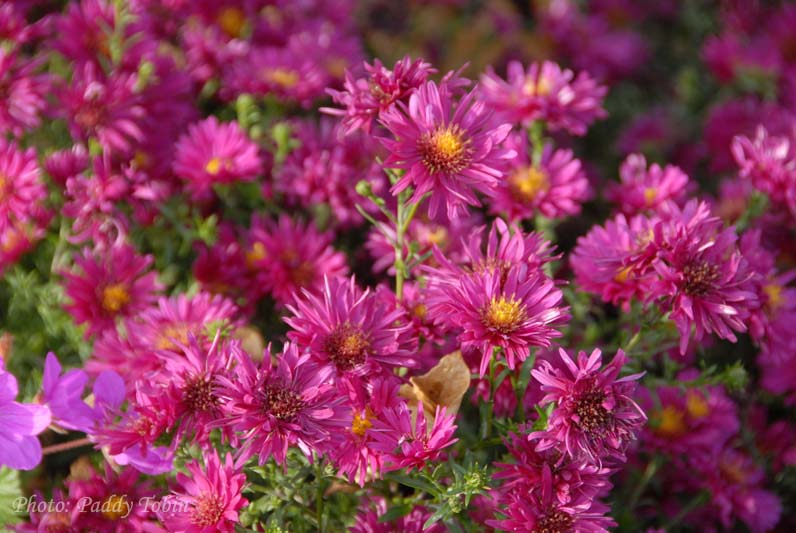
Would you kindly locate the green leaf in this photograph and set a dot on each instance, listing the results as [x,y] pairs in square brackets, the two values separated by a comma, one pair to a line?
[394,512]
[415,483]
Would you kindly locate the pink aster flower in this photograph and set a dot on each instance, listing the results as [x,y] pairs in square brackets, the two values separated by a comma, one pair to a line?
[288,256]
[275,407]
[64,164]
[540,510]
[24,93]
[349,329]
[210,498]
[371,511]
[107,108]
[545,92]
[612,260]
[64,396]
[643,189]
[556,187]
[21,187]
[513,313]
[449,151]
[704,281]
[594,416]
[115,284]
[20,423]
[364,99]
[213,152]
[769,162]
[355,455]
[83,31]
[192,380]
[406,439]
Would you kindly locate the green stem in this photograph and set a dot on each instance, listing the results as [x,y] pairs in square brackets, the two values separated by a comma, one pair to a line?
[536,137]
[319,493]
[649,473]
[490,406]
[699,500]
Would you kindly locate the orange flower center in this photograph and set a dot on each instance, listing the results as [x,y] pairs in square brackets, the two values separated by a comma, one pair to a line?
[446,150]
[527,183]
[114,297]
[503,315]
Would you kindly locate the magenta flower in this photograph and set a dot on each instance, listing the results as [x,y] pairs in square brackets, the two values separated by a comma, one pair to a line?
[540,511]
[350,329]
[83,31]
[406,439]
[643,189]
[704,281]
[288,256]
[64,396]
[19,424]
[594,416]
[555,188]
[191,378]
[115,284]
[213,152]
[24,93]
[106,108]
[22,190]
[449,151]
[354,454]
[275,407]
[545,92]
[371,511]
[769,162]
[512,312]
[613,260]
[210,498]
[365,99]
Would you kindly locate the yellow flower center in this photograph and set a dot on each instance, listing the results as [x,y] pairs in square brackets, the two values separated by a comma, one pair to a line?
[437,235]
[774,294]
[172,334]
[670,422]
[256,254]
[141,159]
[527,183]
[650,193]
[213,166]
[623,274]
[361,423]
[537,87]
[285,78]
[115,507]
[503,315]
[3,187]
[114,297]
[697,406]
[446,150]
[420,311]
[347,346]
[231,19]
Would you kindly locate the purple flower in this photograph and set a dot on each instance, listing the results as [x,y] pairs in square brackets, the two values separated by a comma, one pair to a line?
[451,151]
[594,416]
[64,396]
[19,425]
[643,189]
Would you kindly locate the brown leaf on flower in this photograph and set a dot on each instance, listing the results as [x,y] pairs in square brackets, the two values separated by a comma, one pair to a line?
[251,341]
[444,385]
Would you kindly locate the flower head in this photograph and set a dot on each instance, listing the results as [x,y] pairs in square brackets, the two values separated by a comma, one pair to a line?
[63,395]
[350,329]
[643,189]
[275,407]
[545,92]
[594,416]
[213,152]
[209,499]
[450,152]
[19,425]
[115,284]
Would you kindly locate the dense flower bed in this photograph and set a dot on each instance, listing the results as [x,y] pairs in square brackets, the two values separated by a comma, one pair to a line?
[327,265]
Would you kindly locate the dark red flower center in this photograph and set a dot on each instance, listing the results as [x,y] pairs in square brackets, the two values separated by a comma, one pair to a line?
[592,415]
[699,278]
[555,521]
[347,346]
[199,394]
[281,403]
[445,150]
